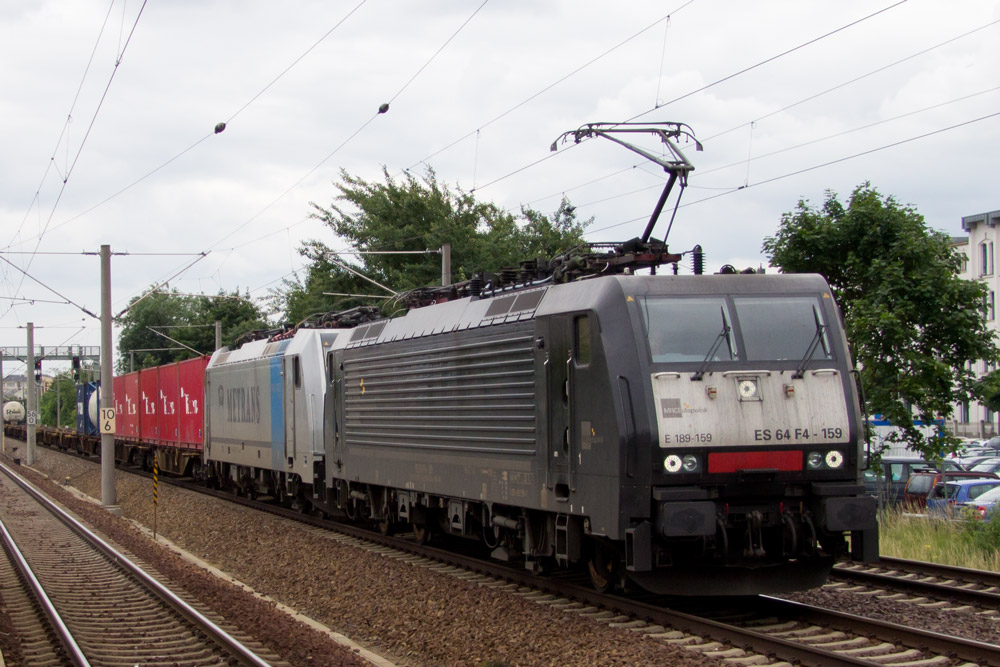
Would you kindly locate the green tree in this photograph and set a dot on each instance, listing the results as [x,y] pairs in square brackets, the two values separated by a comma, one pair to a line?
[414,214]
[59,400]
[150,323]
[913,325]
[988,391]
[322,288]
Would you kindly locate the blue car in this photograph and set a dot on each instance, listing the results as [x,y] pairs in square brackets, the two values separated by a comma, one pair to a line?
[985,505]
[949,497]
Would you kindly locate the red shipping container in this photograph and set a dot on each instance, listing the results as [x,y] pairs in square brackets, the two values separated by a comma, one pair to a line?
[118,385]
[148,393]
[191,402]
[126,388]
[167,407]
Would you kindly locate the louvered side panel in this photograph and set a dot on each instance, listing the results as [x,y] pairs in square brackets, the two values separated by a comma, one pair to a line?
[465,393]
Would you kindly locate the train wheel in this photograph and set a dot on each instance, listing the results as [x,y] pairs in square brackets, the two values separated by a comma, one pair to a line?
[422,533]
[601,568]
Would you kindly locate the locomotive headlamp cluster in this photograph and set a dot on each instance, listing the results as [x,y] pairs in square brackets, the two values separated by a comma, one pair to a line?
[748,389]
[688,463]
[831,460]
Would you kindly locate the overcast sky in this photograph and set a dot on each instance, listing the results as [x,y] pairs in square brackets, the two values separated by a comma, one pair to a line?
[108,114]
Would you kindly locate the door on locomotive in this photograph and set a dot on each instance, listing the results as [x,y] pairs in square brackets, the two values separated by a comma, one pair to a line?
[555,332]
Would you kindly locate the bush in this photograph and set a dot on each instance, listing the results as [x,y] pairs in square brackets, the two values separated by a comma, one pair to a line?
[983,535]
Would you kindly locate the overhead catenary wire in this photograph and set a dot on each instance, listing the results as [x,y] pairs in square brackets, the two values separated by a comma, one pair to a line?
[90,127]
[818,166]
[550,86]
[153,289]
[211,134]
[702,172]
[53,290]
[695,91]
[69,115]
[856,79]
[83,143]
[769,60]
[757,144]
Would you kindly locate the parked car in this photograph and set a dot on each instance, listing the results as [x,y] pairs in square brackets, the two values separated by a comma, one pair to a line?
[968,461]
[921,484]
[989,465]
[896,470]
[986,505]
[965,446]
[949,495]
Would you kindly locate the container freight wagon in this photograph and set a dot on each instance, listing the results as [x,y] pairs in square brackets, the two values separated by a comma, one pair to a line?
[126,390]
[86,422]
[160,412]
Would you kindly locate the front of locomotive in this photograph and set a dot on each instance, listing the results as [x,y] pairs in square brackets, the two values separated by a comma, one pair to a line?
[753,408]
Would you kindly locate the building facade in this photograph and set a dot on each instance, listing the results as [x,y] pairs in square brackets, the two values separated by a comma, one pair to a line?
[14,386]
[979,263]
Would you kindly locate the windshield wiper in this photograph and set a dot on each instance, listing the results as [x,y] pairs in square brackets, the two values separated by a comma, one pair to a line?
[818,337]
[723,336]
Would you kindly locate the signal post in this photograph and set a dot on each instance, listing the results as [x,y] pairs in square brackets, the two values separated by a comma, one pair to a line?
[107,419]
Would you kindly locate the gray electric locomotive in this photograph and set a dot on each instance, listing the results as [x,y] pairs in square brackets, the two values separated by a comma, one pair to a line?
[690,434]
[654,427]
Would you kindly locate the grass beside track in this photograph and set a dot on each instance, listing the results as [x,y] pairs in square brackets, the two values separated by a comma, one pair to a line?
[963,542]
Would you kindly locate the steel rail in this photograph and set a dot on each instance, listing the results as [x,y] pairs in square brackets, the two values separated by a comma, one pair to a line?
[985,577]
[938,591]
[970,650]
[66,637]
[978,652]
[182,607]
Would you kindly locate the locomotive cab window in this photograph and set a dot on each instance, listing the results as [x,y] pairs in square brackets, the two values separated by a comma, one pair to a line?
[688,329]
[297,371]
[782,328]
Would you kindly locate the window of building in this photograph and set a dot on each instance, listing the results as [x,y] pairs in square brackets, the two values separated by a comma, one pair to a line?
[990,305]
[986,258]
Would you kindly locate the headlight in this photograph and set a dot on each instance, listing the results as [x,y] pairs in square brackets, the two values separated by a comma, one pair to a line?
[690,463]
[748,390]
[830,460]
[814,460]
[834,459]
[672,463]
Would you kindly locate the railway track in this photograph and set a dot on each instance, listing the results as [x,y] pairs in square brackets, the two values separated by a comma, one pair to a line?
[105,609]
[744,631]
[921,581]
[759,630]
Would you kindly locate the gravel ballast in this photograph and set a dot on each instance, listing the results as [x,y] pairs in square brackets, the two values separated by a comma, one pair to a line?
[410,615]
